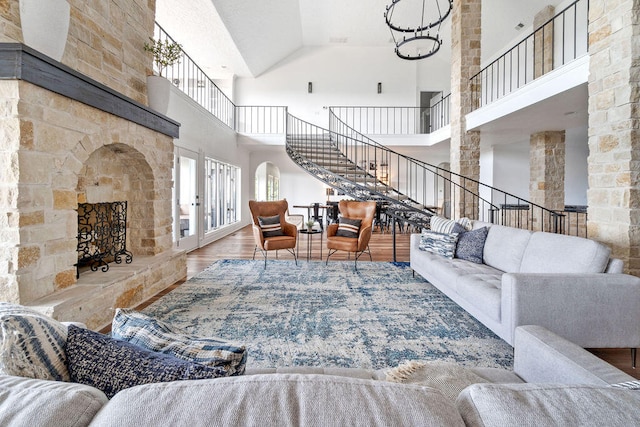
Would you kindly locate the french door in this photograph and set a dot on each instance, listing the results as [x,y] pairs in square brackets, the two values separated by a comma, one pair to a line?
[187,199]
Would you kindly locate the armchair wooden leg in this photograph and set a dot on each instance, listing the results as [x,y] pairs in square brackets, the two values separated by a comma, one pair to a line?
[633,357]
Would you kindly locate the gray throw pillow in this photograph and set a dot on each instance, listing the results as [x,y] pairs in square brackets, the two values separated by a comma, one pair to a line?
[112,365]
[348,227]
[270,226]
[471,245]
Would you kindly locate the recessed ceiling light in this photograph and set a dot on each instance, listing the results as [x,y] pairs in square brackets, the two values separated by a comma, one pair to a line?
[338,39]
[519,26]
[224,67]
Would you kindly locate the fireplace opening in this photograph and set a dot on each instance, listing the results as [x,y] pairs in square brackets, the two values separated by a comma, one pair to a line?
[102,235]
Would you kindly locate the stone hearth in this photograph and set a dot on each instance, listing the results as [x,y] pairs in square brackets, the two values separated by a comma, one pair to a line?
[68,140]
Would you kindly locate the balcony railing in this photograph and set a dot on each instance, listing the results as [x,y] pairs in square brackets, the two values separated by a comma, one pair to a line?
[557,42]
[257,119]
[384,120]
[440,113]
[190,79]
[395,120]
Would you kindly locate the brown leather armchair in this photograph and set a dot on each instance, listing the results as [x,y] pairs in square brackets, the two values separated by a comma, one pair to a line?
[364,211]
[287,240]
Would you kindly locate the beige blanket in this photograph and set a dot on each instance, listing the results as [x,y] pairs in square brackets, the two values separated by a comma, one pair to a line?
[447,377]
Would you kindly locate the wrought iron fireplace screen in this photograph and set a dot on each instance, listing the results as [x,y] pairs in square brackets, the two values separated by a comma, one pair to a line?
[102,235]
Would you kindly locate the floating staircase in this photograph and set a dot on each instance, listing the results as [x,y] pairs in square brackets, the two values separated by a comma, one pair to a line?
[410,190]
[322,154]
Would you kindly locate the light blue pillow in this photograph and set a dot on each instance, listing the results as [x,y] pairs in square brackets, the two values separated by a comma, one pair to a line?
[439,243]
[31,344]
[155,335]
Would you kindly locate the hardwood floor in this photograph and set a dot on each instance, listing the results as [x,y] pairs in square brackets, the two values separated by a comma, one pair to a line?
[239,245]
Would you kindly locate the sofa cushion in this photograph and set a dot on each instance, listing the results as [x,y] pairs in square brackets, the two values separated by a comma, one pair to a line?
[113,365]
[504,247]
[484,291]
[548,404]
[31,402]
[444,272]
[155,335]
[31,344]
[439,243]
[278,400]
[557,253]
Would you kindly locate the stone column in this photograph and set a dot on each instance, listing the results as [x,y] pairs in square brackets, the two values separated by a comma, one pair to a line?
[614,139]
[543,41]
[546,169]
[466,22]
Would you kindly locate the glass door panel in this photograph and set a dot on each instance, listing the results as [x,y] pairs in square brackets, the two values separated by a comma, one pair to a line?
[187,200]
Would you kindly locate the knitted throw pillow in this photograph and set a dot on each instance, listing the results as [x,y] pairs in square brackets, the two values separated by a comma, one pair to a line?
[112,365]
[471,245]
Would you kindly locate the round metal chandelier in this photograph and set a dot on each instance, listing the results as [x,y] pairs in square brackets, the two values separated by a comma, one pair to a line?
[423,39]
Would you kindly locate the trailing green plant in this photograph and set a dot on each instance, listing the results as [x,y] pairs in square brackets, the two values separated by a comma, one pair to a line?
[165,53]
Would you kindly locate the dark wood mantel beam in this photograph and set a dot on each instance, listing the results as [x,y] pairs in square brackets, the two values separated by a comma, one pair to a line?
[20,62]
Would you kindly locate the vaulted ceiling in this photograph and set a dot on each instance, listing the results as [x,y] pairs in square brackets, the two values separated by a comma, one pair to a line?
[247,37]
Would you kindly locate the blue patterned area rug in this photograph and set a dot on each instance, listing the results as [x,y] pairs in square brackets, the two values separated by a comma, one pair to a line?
[316,315]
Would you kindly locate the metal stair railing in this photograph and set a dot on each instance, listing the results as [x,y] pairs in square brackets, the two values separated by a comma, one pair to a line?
[446,193]
[357,167]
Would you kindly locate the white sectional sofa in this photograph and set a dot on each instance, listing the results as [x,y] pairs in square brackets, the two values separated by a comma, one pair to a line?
[569,285]
[554,382]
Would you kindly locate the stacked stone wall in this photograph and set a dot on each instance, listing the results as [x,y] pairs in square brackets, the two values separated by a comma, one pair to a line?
[614,142]
[53,146]
[105,41]
[466,20]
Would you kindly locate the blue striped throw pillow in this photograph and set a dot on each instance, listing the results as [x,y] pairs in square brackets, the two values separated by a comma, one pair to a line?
[443,225]
[32,345]
[270,226]
[348,227]
[155,335]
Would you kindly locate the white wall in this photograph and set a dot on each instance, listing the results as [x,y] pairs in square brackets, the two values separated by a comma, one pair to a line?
[576,174]
[296,185]
[204,134]
[511,168]
[340,76]
[506,167]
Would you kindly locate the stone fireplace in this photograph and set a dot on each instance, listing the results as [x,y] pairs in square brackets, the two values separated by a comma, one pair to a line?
[70,140]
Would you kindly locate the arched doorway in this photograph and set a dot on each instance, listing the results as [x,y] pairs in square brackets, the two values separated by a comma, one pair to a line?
[267,182]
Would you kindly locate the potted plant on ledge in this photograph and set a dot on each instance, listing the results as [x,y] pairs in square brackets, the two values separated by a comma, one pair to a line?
[165,54]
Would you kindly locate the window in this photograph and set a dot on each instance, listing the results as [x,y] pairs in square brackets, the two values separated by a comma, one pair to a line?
[222,189]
